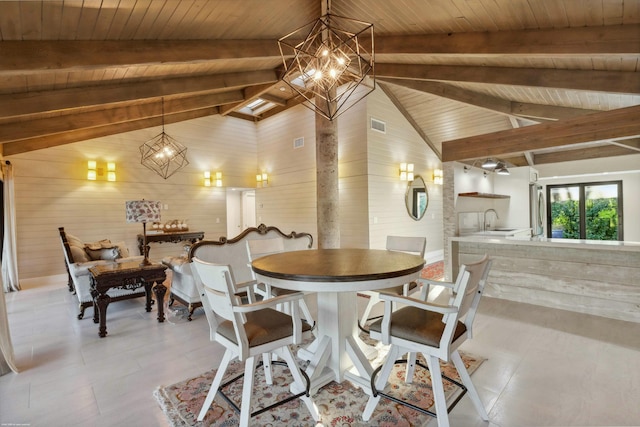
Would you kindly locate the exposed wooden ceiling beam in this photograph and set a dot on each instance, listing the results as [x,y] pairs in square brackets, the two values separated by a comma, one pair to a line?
[592,80]
[31,56]
[12,105]
[615,124]
[411,120]
[83,134]
[40,127]
[491,103]
[582,154]
[611,39]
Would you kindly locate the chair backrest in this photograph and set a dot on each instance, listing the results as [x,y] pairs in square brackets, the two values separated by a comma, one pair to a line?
[467,292]
[413,245]
[259,248]
[218,288]
[478,273]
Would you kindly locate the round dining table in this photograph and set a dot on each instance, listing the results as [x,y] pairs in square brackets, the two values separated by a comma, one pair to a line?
[336,275]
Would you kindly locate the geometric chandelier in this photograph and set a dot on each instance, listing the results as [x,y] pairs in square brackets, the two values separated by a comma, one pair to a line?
[163,154]
[330,62]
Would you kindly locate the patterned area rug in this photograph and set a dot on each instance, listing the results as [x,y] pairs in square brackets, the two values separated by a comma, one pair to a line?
[434,271]
[338,404]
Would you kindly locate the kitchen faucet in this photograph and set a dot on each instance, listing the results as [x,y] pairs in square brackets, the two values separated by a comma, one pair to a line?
[487,224]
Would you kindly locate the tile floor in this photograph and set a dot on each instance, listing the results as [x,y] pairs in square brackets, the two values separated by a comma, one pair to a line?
[545,367]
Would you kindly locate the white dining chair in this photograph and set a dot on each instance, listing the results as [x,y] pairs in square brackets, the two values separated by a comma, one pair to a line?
[248,331]
[436,331]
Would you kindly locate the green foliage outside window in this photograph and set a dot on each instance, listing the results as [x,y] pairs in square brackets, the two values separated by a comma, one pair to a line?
[601,218]
[566,217]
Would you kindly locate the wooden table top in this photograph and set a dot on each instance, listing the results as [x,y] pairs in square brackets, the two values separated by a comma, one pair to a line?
[122,267]
[338,265]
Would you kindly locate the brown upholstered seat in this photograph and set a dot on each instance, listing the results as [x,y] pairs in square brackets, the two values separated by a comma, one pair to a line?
[416,324]
[262,327]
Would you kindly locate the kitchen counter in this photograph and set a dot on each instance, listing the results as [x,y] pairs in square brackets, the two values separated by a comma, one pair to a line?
[550,242]
[588,276]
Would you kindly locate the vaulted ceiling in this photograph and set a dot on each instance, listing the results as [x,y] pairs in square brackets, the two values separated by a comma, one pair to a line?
[528,81]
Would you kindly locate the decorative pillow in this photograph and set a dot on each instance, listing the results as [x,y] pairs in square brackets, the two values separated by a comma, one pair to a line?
[78,254]
[102,244]
[74,241]
[122,248]
[108,254]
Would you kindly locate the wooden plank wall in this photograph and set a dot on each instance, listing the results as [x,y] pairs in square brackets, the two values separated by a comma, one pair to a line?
[387,210]
[289,200]
[603,281]
[52,190]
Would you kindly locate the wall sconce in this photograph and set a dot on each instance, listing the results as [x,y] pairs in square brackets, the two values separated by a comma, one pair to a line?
[111,171]
[207,179]
[218,179]
[406,171]
[438,177]
[262,179]
[92,170]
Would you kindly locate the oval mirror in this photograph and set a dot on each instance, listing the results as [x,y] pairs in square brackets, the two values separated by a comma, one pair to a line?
[416,198]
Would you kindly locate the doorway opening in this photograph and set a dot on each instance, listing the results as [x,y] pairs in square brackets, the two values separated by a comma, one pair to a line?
[241,210]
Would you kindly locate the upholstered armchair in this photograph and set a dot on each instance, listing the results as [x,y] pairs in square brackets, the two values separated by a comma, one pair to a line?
[80,256]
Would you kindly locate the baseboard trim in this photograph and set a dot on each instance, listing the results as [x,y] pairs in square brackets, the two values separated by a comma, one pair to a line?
[43,281]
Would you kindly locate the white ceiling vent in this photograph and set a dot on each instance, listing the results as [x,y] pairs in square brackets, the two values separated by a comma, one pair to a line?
[298,142]
[378,125]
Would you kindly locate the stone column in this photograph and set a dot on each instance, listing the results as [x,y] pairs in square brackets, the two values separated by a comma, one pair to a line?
[328,207]
[449,214]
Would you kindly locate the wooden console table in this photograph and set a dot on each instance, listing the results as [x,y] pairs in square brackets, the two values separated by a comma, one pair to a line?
[125,275]
[172,237]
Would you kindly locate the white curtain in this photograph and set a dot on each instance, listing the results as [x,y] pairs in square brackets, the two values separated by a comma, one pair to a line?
[7,361]
[9,253]
[9,278]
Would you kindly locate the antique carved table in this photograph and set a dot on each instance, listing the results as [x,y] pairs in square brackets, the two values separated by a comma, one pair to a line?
[126,275]
[337,275]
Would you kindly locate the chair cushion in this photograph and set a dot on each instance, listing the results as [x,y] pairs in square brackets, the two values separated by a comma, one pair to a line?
[417,325]
[262,327]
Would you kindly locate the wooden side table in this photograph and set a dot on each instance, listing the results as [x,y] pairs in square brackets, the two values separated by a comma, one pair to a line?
[171,237]
[126,275]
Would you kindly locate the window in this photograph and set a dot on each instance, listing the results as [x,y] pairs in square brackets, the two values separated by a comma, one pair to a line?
[591,211]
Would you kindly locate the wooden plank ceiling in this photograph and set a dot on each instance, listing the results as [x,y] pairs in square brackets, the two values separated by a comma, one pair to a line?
[530,82]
